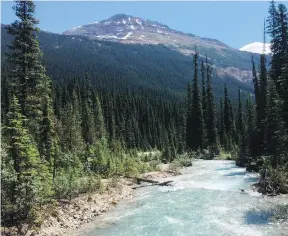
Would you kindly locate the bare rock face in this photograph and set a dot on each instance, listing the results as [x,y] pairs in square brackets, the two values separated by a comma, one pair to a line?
[130,29]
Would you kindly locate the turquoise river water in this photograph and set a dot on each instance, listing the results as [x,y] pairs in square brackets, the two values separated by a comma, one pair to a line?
[206,200]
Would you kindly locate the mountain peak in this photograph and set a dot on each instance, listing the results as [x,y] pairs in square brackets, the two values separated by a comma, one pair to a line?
[119,17]
[130,29]
[256,47]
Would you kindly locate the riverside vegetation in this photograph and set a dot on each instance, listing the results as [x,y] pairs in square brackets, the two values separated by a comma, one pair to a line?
[59,139]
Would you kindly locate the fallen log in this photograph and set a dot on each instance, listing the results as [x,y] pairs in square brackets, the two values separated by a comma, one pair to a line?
[147,180]
[166,183]
[153,182]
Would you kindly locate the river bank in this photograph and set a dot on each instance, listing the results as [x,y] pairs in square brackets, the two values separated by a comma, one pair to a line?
[67,216]
[206,200]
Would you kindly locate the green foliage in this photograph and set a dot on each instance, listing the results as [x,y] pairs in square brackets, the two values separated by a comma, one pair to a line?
[264,143]
[195,122]
[33,183]
[211,129]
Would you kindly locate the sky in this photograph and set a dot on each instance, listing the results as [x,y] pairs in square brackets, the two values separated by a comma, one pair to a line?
[234,23]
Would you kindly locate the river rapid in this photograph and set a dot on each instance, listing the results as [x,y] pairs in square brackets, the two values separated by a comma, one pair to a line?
[206,200]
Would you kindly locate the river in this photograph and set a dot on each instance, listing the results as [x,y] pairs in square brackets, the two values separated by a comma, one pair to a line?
[206,200]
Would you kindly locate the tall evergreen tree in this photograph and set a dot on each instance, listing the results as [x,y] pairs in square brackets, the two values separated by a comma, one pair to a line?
[99,120]
[27,73]
[274,125]
[204,100]
[262,110]
[211,120]
[222,131]
[240,128]
[189,120]
[49,143]
[33,181]
[250,126]
[256,83]
[197,122]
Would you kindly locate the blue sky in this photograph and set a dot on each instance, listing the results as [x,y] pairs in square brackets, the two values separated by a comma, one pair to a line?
[234,23]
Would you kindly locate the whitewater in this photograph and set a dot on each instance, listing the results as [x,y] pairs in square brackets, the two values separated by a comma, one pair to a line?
[205,200]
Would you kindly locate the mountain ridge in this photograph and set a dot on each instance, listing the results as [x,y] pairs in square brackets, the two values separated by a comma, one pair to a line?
[128,29]
[122,24]
[113,65]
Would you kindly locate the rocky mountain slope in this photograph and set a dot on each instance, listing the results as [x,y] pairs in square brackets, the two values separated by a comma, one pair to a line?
[113,65]
[128,29]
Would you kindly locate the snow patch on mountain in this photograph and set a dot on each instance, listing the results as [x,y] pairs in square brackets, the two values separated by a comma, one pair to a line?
[92,23]
[256,47]
[77,27]
[127,35]
[107,37]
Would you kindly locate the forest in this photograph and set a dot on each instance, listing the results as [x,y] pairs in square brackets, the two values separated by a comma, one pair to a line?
[59,138]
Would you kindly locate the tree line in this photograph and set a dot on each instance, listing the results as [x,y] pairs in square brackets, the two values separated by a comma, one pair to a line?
[59,138]
[263,138]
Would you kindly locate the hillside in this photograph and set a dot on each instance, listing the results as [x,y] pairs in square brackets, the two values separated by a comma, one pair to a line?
[128,29]
[115,65]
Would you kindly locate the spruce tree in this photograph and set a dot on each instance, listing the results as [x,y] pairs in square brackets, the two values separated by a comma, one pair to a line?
[239,126]
[71,136]
[227,117]
[99,120]
[204,100]
[49,143]
[197,123]
[228,120]
[256,83]
[189,117]
[278,30]
[211,120]
[274,125]
[26,74]
[33,181]
[222,131]
[262,110]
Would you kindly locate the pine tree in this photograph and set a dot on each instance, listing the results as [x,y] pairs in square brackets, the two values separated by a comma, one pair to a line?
[49,143]
[189,117]
[99,120]
[33,182]
[227,117]
[278,30]
[197,123]
[241,134]
[204,100]
[256,85]
[27,73]
[211,120]
[222,131]
[274,125]
[262,111]
[228,120]
[71,136]
[250,127]
[240,127]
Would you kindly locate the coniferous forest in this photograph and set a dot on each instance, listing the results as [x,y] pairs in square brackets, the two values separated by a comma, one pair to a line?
[59,139]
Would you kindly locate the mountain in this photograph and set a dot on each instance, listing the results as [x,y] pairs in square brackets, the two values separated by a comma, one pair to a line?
[151,68]
[256,47]
[128,29]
